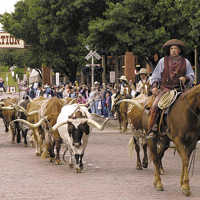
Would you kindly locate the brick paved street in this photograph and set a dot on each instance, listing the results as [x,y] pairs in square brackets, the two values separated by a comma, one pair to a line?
[109,173]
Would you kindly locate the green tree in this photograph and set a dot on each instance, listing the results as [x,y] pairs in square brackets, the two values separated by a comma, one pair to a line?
[139,26]
[56,30]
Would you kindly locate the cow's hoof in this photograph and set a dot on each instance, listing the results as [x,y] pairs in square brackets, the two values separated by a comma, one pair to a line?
[51,160]
[145,164]
[81,166]
[58,162]
[139,167]
[186,190]
[78,170]
[25,145]
[38,154]
[71,165]
[44,155]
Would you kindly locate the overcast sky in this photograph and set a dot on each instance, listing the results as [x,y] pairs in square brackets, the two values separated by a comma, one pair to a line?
[7,6]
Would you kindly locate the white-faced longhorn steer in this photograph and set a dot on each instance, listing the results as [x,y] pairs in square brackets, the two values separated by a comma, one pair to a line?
[73,124]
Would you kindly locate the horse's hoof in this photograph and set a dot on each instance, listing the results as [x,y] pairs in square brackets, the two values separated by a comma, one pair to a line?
[186,190]
[158,186]
[162,171]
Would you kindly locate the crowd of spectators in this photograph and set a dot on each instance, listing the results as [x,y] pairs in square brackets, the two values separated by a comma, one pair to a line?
[97,98]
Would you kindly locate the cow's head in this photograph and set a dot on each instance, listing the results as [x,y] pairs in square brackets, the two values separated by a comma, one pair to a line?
[76,132]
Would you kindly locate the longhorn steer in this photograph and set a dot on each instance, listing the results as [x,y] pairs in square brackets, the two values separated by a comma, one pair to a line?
[8,113]
[41,116]
[73,124]
[138,119]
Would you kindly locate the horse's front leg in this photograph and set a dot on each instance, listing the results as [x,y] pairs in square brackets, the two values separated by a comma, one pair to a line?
[164,145]
[185,163]
[153,149]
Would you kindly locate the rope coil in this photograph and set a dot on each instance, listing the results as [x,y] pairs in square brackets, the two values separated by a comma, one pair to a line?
[167,99]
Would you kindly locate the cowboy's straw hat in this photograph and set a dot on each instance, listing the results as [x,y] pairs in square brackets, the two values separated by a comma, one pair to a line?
[143,71]
[123,78]
[174,42]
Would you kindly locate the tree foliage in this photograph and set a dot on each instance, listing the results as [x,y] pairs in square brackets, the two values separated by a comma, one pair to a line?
[143,26]
[58,30]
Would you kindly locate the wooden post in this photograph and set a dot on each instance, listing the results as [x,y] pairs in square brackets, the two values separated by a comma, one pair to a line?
[129,66]
[46,75]
[104,69]
[197,70]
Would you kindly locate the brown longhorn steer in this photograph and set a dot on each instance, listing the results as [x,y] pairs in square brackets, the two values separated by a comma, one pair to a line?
[45,117]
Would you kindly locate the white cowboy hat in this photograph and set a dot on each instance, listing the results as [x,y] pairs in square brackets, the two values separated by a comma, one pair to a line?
[96,82]
[123,78]
[143,71]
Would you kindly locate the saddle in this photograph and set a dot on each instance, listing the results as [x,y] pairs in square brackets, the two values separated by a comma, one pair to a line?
[164,105]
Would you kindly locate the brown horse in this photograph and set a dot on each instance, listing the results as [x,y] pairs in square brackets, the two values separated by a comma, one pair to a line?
[183,125]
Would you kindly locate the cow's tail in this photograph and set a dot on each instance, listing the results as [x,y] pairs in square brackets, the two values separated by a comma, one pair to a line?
[131,146]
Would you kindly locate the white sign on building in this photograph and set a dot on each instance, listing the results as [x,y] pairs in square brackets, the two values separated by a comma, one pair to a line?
[9,41]
[112,76]
[57,79]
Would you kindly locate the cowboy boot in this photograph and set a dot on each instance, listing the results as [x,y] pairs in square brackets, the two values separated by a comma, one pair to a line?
[152,127]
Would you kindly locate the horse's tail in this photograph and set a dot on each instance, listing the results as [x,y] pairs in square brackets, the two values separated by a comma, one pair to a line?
[131,145]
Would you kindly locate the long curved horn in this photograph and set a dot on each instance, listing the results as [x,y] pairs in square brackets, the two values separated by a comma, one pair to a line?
[72,101]
[57,125]
[33,112]
[21,109]
[36,125]
[97,125]
[132,101]
[7,108]
[2,103]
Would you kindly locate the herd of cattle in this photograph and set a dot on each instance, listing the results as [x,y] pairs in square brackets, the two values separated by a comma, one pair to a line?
[55,121]
[52,122]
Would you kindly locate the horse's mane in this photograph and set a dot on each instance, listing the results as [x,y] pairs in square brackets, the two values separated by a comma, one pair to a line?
[190,93]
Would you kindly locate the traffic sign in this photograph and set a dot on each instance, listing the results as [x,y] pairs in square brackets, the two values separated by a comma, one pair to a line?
[93,53]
